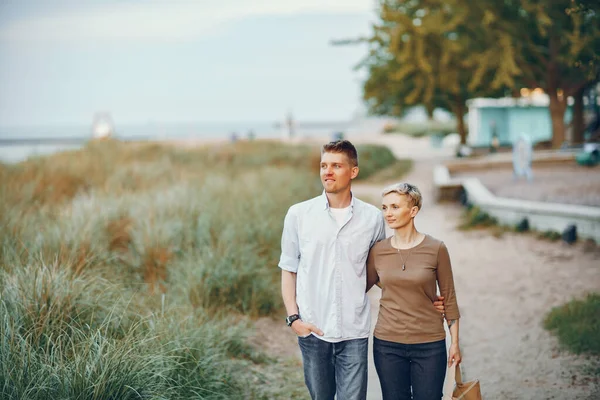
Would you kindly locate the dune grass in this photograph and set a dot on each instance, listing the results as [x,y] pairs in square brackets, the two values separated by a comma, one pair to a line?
[372,159]
[392,173]
[132,270]
[424,128]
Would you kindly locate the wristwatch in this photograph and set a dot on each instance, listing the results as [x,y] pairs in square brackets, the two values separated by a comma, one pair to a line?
[290,319]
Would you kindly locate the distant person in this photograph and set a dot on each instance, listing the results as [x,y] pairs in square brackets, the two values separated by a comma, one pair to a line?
[495,142]
[522,155]
[409,341]
[290,124]
[324,247]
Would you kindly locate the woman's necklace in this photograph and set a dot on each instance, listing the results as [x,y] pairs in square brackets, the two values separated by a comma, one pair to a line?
[400,254]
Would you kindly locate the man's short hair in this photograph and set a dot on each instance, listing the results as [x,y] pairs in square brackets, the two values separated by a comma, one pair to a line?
[342,146]
[414,194]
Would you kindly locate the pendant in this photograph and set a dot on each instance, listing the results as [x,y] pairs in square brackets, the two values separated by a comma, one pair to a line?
[403,267]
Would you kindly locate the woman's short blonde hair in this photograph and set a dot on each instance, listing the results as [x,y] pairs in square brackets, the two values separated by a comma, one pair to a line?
[414,194]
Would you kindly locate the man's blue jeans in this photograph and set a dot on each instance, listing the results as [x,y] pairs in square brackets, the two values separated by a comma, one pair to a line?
[410,371]
[331,368]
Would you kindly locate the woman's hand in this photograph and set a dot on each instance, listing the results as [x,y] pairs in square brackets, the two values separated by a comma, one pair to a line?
[454,354]
[303,329]
[439,305]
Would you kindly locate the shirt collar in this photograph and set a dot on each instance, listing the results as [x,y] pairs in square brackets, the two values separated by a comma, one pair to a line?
[325,201]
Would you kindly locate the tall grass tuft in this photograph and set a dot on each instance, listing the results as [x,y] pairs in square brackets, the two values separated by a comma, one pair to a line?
[68,336]
[577,324]
[373,158]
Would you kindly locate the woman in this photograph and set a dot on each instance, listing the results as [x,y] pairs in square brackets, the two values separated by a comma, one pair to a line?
[409,347]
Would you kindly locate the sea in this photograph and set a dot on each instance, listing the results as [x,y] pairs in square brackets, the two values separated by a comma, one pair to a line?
[20,143]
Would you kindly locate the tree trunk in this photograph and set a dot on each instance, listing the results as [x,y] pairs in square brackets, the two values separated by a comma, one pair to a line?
[459,113]
[557,115]
[578,124]
[558,104]
[429,109]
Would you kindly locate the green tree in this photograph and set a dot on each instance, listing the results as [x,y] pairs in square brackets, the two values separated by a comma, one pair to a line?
[557,42]
[441,53]
[430,52]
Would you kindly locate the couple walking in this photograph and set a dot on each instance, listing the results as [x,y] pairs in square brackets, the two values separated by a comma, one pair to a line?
[333,250]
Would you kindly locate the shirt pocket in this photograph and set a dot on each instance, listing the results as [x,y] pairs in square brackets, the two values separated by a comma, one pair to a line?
[310,253]
[306,249]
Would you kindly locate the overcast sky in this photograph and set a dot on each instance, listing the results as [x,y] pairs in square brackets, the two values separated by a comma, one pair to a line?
[170,61]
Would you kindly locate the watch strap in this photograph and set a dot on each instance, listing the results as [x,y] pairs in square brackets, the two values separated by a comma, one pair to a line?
[291,318]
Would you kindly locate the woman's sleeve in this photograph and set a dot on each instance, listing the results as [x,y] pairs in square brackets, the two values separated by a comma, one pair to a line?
[446,283]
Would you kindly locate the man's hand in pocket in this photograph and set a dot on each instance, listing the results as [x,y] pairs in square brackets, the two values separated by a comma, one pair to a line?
[303,329]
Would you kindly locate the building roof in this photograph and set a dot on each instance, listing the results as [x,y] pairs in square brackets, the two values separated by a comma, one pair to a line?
[540,100]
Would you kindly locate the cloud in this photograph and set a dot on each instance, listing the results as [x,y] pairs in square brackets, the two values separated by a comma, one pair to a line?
[152,21]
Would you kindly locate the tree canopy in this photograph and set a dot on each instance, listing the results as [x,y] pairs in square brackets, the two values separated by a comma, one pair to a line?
[439,53]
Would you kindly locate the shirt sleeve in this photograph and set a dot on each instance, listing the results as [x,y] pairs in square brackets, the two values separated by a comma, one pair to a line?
[372,276]
[379,230]
[446,283]
[290,248]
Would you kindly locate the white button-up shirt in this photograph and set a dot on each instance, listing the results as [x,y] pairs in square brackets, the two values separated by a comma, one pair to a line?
[329,261]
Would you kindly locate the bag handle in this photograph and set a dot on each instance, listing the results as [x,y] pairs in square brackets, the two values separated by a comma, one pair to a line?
[449,382]
[458,376]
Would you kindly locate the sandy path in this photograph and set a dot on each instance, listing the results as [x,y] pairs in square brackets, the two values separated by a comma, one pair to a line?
[505,286]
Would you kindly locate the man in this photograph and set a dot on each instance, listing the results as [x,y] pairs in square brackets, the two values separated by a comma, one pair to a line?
[324,247]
